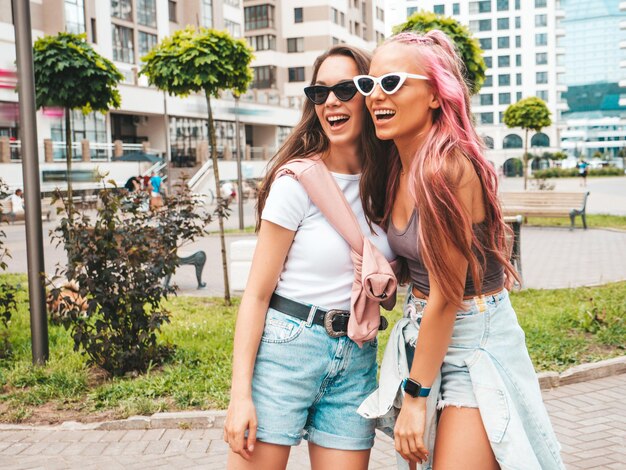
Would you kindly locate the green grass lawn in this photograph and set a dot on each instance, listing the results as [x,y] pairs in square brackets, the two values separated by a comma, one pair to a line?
[563,328]
[593,221]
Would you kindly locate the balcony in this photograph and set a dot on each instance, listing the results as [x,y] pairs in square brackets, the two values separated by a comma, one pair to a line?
[561,13]
[560,32]
[622,6]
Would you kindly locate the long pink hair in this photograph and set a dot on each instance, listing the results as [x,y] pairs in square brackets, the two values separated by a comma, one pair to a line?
[436,170]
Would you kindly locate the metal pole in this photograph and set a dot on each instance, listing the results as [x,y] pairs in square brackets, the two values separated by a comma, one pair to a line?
[32,193]
[168,150]
[238,150]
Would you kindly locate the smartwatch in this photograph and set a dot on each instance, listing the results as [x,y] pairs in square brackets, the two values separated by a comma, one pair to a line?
[414,388]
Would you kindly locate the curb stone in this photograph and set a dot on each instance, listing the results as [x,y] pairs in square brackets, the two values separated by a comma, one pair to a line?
[583,373]
[214,419]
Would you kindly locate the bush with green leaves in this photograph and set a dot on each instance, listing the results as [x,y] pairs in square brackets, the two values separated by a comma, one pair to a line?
[466,44]
[7,291]
[572,172]
[112,300]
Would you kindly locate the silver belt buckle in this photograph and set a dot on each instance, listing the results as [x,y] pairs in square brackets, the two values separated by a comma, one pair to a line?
[328,323]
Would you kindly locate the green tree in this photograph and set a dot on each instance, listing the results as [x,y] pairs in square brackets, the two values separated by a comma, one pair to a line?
[529,114]
[202,61]
[466,44]
[69,73]
[559,155]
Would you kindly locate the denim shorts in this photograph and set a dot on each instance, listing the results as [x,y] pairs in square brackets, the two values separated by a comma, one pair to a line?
[309,385]
[456,385]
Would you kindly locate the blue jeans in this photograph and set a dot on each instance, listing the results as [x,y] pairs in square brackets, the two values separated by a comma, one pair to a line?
[309,385]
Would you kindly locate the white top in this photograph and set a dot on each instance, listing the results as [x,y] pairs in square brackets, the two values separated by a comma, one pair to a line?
[318,269]
[17,203]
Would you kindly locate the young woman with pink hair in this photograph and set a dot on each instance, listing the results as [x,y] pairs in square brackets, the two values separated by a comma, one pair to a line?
[471,399]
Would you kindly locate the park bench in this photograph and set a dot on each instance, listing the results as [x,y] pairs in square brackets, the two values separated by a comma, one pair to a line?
[545,204]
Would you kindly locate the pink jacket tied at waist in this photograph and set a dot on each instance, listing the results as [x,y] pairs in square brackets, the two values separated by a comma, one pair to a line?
[374,279]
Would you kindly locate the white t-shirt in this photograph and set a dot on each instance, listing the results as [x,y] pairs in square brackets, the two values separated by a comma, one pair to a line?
[318,269]
[17,204]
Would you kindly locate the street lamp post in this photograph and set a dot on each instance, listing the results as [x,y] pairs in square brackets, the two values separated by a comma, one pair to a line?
[32,192]
[239,176]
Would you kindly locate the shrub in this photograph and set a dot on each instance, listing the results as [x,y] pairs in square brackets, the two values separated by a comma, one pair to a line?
[116,266]
[7,291]
[572,172]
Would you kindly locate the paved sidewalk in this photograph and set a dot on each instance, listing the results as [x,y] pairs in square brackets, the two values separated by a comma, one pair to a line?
[589,418]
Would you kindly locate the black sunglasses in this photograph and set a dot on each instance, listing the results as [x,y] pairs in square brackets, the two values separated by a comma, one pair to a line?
[318,94]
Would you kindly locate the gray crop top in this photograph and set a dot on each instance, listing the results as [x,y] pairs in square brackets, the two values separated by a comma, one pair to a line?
[404,243]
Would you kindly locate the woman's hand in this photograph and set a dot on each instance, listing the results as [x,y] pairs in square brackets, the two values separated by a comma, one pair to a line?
[409,430]
[241,417]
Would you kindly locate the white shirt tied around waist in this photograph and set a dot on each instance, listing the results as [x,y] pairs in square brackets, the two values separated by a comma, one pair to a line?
[318,269]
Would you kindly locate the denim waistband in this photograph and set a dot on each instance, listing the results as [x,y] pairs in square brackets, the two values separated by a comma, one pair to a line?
[479,301]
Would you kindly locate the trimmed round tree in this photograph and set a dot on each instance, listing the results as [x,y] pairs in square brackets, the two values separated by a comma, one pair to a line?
[466,44]
[202,61]
[70,74]
[528,114]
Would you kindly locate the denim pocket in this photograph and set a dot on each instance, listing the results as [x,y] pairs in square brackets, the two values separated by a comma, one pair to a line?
[497,415]
[281,328]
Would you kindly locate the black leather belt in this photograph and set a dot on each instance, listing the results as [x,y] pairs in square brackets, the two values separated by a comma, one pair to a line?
[334,321]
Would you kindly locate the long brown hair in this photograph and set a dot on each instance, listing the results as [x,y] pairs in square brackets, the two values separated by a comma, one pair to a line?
[308,139]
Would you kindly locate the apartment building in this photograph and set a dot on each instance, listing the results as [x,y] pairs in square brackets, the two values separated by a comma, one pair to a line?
[523,50]
[595,62]
[288,35]
[123,31]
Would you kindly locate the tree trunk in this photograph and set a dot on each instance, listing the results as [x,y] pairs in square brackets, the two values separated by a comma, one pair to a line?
[525,159]
[218,193]
[68,156]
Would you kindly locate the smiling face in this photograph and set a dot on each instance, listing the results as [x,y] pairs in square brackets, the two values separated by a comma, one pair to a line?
[342,121]
[407,114]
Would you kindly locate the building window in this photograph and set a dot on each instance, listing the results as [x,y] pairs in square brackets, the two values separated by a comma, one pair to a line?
[484,25]
[541,3]
[488,61]
[518,22]
[486,118]
[146,41]
[234,29]
[207,13]
[504,98]
[94,35]
[502,5]
[146,13]
[518,79]
[518,41]
[518,95]
[456,9]
[264,77]
[541,39]
[295,45]
[504,80]
[296,74]
[504,61]
[503,42]
[517,4]
[486,99]
[541,20]
[488,81]
[123,48]
[512,141]
[233,3]
[122,9]
[542,78]
[439,9]
[297,15]
[75,16]
[266,42]
[518,60]
[485,43]
[541,58]
[259,16]
[484,6]
[171,11]
[410,11]
[543,94]
[503,23]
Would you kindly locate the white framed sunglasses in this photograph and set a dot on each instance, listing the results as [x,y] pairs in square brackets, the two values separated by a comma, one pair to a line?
[389,83]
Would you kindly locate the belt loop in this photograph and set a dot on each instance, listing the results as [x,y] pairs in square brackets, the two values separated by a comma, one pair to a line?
[480,303]
[309,320]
